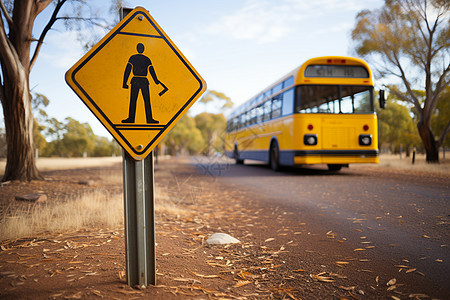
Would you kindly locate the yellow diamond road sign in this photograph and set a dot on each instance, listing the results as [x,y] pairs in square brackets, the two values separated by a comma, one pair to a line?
[136,82]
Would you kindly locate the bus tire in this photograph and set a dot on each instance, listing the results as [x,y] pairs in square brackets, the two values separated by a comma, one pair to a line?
[334,167]
[274,157]
[236,156]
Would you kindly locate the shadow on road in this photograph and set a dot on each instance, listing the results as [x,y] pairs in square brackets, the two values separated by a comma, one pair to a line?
[258,169]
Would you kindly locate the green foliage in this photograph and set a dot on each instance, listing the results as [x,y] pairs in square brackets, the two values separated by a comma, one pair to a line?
[39,140]
[441,117]
[396,127]
[105,147]
[211,125]
[202,133]
[78,138]
[75,139]
[219,100]
[39,102]
[184,137]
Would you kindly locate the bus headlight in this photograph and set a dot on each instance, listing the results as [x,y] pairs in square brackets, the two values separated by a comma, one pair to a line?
[310,139]
[365,139]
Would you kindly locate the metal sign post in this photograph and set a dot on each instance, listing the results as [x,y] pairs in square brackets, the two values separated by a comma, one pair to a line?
[139,200]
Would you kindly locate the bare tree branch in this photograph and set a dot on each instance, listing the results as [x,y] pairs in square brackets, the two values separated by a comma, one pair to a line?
[89,20]
[413,99]
[50,24]
[42,4]
[47,27]
[7,16]
[444,134]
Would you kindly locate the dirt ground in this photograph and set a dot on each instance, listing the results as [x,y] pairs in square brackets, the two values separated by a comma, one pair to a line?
[90,264]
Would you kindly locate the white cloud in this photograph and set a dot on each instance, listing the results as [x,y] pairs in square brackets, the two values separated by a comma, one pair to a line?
[256,20]
[269,21]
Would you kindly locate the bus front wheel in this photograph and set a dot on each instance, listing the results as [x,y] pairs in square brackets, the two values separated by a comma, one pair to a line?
[274,157]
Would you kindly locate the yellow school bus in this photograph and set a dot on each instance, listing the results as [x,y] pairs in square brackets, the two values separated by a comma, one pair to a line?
[320,113]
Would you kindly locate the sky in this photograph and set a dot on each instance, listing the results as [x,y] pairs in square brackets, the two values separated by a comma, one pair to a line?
[238,46]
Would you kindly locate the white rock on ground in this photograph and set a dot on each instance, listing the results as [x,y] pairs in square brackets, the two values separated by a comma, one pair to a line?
[221,239]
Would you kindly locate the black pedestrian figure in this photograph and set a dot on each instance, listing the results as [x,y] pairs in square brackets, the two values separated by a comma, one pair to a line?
[140,65]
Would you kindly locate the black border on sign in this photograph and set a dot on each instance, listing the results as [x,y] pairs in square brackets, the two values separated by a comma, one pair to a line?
[101,112]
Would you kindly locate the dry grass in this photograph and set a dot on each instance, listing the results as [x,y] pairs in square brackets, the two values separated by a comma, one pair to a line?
[93,210]
[405,163]
[88,211]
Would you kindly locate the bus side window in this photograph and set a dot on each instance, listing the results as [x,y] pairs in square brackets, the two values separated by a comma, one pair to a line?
[267,110]
[252,116]
[288,82]
[276,106]
[277,88]
[259,114]
[288,102]
[242,120]
[235,123]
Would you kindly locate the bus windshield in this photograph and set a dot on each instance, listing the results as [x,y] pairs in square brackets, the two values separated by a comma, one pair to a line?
[334,99]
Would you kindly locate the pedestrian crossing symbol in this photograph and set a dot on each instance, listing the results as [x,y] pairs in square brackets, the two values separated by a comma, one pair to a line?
[136,82]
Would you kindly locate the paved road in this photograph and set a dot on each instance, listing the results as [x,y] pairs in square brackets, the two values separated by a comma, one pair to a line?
[400,222]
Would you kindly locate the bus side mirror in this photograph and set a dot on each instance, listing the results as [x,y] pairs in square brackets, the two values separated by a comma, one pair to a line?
[382,100]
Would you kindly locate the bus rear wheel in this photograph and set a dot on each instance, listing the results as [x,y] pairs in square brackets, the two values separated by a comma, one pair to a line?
[334,167]
[274,157]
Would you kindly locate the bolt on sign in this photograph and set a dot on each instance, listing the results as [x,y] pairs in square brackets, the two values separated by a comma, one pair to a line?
[136,82]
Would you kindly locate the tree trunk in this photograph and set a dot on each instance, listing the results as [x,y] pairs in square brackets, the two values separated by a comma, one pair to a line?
[20,162]
[431,149]
[15,92]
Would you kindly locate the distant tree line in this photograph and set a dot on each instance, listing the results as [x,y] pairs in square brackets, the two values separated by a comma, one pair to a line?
[201,134]
[69,138]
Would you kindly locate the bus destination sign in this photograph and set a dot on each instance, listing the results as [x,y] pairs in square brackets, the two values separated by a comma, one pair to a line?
[336,71]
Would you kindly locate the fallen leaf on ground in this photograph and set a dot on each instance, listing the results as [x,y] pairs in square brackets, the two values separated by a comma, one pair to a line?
[186,280]
[299,270]
[402,266]
[241,283]
[418,296]
[392,287]
[347,288]
[391,282]
[269,240]
[205,276]
[323,278]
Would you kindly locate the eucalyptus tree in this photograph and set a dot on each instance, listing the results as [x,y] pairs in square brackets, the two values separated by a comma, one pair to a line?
[410,40]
